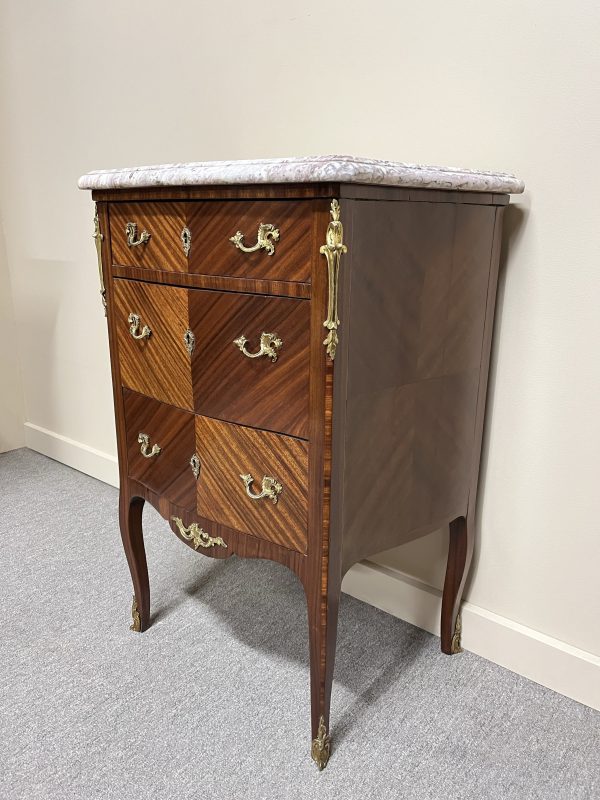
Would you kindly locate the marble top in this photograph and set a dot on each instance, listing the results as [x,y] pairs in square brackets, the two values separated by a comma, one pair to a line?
[314,169]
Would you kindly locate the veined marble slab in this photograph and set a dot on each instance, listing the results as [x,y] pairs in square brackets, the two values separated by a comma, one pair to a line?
[316,169]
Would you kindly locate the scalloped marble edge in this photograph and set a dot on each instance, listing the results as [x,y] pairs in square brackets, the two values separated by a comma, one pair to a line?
[317,169]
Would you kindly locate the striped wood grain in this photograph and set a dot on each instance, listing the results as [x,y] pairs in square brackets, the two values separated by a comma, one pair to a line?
[251,391]
[411,402]
[163,221]
[213,222]
[215,282]
[322,576]
[160,365]
[298,191]
[169,473]
[240,544]
[226,451]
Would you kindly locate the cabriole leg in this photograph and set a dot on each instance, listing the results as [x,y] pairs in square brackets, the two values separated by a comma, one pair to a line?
[130,521]
[460,553]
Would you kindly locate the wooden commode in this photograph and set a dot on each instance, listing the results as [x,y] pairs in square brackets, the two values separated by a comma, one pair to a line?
[300,352]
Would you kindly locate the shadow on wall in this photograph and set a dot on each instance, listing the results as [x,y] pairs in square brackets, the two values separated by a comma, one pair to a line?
[514,219]
[425,558]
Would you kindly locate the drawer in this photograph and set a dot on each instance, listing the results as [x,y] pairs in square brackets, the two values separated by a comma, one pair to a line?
[160,445]
[227,452]
[152,328]
[154,241]
[213,223]
[240,385]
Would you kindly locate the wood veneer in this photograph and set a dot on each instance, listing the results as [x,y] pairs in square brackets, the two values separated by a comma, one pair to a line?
[168,473]
[158,366]
[386,439]
[163,221]
[229,451]
[216,282]
[418,388]
[212,223]
[251,391]
[298,191]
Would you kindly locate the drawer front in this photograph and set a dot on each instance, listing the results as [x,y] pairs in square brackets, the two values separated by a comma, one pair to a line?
[160,444]
[155,241]
[153,356]
[228,452]
[234,381]
[286,257]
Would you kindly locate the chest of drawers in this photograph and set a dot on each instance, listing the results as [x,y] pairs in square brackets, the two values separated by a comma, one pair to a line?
[300,354]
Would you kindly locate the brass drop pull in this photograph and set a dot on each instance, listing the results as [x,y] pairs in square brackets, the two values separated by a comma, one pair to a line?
[134,327]
[271,488]
[267,235]
[144,441]
[131,233]
[270,343]
[195,534]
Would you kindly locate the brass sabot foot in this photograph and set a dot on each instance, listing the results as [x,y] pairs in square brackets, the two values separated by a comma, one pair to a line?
[455,647]
[136,625]
[321,746]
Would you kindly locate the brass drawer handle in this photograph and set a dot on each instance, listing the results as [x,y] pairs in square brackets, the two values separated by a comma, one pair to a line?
[131,233]
[134,327]
[271,488]
[144,441]
[270,343]
[195,534]
[266,233]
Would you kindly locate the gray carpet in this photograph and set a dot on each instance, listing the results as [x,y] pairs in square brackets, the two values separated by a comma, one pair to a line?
[212,702]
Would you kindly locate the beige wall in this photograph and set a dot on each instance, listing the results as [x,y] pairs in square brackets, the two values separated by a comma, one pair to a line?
[510,85]
[11,392]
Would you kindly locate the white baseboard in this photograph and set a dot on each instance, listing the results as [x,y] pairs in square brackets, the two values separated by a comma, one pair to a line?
[534,655]
[75,454]
[550,662]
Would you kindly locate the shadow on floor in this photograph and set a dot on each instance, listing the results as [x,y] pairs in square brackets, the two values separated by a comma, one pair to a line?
[262,604]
